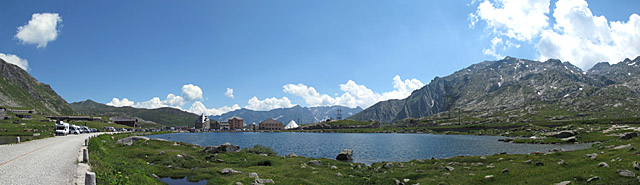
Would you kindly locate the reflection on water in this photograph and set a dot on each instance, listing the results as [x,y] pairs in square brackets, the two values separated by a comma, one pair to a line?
[367,147]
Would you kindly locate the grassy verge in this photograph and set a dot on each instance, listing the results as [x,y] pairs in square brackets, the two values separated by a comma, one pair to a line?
[136,164]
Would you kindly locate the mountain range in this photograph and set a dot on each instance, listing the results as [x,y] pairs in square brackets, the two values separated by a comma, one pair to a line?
[519,90]
[297,113]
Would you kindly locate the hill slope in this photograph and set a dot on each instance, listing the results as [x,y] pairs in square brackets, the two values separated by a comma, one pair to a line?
[19,89]
[164,116]
[514,89]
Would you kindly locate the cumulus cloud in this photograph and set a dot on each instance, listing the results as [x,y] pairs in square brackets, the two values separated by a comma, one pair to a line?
[354,94]
[577,36]
[120,103]
[268,103]
[229,93]
[13,59]
[191,92]
[199,108]
[155,102]
[515,19]
[41,29]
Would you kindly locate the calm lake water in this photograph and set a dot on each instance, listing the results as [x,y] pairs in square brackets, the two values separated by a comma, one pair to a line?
[367,147]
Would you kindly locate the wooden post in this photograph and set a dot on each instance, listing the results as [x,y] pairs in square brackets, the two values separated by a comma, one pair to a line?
[85,155]
[86,142]
[90,178]
[18,139]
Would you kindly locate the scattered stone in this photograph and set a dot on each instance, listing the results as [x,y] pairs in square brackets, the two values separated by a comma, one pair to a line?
[500,159]
[345,155]
[420,160]
[228,171]
[406,180]
[155,176]
[528,161]
[254,175]
[506,170]
[603,164]
[387,165]
[466,168]
[314,172]
[162,153]
[169,166]
[446,174]
[561,162]
[238,183]
[264,155]
[622,147]
[175,144]
[564,134]
[223,148]
[398,182]
[626,173]
[557,150]
[449,168]
[315,162]
[339,174]
[593,179]
[636,165]
[472,174]
[180,156]
[628,135]
[563,183]
[128,141]
[483,157]
[488,176]
[592,156]
[219,160]
[263,181]
[334,167]
[490,166]
[569,139]
[292,155]
[539,164]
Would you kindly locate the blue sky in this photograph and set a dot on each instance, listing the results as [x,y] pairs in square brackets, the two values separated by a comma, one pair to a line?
[282,53]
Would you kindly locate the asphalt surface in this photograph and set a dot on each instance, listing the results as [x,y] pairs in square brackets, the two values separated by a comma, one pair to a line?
[44,161]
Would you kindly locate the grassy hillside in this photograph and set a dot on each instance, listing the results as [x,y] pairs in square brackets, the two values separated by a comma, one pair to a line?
[164,116]
[19,89]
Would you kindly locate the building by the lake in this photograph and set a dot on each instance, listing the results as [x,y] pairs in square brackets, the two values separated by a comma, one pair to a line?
[236,122]
[270,124]
[132,122]
[203,122]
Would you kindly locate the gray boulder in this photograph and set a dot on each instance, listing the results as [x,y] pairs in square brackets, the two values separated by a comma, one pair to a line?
[229,171]
[264,181]
[569,139]
[128,141]
[626,173]
[563,183]
[387,165]
[636,165]
[315,162]
[253,175]
[592,156]
[603,164]
[223,148]
[564,134]
[345,155]
[628,135]
[449,168]
[593,179]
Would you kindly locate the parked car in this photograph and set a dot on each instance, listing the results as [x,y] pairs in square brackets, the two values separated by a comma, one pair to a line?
[85,129]
[109,129]
[73,129]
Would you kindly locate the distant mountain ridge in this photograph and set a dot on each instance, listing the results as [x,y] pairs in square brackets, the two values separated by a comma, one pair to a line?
[514,89]
[19,89]
[297,113]
[164,116]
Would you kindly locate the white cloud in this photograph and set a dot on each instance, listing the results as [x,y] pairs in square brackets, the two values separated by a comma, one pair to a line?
[13,59]
[41,29]
[517,19]
[191,92]
[155,102]
[120,103]
[268,103]
[199,108]
[492,51]
[577,36]
[584,39]
[354,94]
[229,93]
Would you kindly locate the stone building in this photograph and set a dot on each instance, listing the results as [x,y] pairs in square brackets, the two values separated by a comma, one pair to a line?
[270,124]
[203,122]
[236,122]
[132,122]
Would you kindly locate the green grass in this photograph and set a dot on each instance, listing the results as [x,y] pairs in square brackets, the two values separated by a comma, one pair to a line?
[118,164]
[348,122]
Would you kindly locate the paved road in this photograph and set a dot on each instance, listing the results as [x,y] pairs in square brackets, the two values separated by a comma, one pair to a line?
[44,161]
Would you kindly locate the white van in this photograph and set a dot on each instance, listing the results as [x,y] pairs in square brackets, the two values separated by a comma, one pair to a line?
[62,128]
[73,129]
